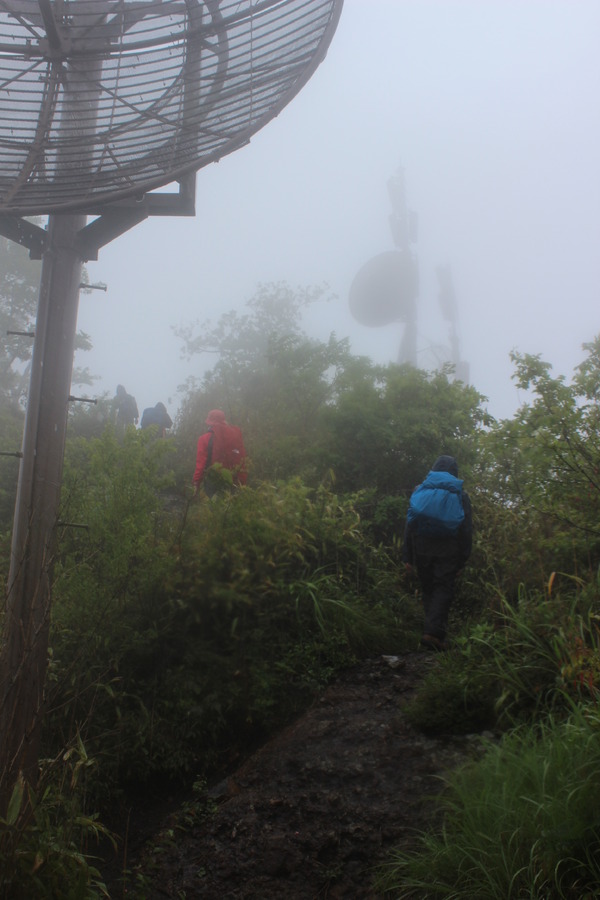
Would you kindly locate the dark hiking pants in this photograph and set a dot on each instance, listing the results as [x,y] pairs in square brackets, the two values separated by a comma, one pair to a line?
[437,575]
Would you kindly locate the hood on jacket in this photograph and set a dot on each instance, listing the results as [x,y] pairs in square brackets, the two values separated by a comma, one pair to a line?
[216,417]
[446,464]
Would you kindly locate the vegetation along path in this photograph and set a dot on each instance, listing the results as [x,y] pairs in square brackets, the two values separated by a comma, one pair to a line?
[316,810]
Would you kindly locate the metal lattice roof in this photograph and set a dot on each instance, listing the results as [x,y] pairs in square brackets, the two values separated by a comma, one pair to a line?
[106,99]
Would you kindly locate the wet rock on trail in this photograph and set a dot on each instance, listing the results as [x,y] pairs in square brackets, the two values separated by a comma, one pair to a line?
[316,810]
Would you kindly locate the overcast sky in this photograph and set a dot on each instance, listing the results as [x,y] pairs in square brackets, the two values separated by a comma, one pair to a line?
[492,111]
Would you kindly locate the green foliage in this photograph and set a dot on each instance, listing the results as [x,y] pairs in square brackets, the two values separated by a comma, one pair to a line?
[89,420]
[280,580]
[109,613]
[387,517]
[19,288]
[309,408]
[539,656]
[177,632]
[19,283]
[19,291]
[184,632]
[546,461]
[458,696]
[46,835]
[521,822]
[390,438]
[527,653]
[269,378]
[505,553]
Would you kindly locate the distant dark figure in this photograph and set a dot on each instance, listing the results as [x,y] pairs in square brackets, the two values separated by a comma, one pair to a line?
[157,416]
[221,444]
[437,542]
[126,408]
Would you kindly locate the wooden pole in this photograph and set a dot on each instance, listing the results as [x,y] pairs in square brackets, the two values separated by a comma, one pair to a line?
[24,652]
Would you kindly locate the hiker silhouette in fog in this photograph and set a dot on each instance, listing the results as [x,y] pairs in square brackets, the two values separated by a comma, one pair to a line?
[157,416]
[221,444]
[125,408]
[437,543]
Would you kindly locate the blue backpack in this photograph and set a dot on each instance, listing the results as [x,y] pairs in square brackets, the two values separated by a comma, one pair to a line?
[436,506]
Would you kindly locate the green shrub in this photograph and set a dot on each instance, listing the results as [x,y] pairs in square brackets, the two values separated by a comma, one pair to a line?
[459,695]
[171,643]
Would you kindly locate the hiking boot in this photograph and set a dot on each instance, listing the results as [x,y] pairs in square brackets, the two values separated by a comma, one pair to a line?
[431,642]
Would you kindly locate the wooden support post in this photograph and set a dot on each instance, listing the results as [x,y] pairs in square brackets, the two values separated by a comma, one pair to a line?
[24,652]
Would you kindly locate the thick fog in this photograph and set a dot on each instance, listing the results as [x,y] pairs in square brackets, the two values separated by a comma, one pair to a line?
[491,109]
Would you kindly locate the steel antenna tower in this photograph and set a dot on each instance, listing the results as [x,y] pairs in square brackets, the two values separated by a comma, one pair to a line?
[102,102]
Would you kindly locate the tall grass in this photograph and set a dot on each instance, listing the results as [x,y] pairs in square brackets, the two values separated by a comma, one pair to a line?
[544,653]
[522,822]
[47,839]
[539,655]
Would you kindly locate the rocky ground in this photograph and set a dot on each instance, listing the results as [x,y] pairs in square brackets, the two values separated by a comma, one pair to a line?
[315,811]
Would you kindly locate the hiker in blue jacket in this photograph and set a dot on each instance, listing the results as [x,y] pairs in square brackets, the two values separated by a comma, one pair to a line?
[437,555]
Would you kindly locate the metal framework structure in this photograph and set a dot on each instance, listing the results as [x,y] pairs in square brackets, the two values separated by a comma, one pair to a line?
[102,104]
[106,99]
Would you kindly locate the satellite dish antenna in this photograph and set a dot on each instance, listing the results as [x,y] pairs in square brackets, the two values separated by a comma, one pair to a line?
[101,103]
[105,100]
[384,290]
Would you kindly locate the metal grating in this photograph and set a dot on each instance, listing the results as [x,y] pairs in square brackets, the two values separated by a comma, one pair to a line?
[105,99]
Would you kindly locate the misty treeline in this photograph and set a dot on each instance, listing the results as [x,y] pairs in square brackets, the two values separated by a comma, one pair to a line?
[185,630]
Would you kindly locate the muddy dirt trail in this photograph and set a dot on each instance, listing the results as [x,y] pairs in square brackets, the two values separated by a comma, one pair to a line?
[315,811]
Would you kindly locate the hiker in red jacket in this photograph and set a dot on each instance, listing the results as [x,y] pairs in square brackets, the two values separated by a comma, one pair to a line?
[221,444]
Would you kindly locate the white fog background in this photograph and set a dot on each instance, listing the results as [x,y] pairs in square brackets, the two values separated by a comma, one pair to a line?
[491,109]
